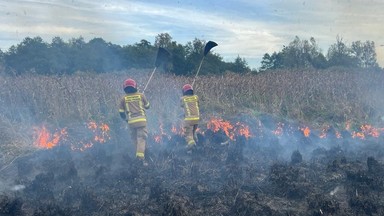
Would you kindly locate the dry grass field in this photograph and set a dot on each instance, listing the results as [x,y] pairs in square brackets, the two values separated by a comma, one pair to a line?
[311,97]
[315,97]
[271,172]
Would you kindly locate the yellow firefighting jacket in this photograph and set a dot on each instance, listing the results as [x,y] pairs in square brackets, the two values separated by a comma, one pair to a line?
[190,103]
[133,105]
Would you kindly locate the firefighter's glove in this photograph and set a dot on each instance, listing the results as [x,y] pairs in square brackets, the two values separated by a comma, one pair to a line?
[123,116]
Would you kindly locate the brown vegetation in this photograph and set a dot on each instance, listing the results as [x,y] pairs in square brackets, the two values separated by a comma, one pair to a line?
[243,176]
[312,96]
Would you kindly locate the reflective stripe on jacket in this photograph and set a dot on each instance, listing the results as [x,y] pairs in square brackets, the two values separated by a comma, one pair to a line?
[190,103]
[133,106]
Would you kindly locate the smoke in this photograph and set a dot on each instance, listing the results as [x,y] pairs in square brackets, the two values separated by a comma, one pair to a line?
[88,161]
[6,188]
[276,140]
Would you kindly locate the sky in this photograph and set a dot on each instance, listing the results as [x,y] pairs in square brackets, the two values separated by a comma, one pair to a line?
[245,28]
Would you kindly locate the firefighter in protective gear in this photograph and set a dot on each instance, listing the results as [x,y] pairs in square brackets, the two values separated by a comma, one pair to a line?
[190,103]
[132,109]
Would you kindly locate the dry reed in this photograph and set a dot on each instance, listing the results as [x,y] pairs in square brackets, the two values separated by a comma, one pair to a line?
[331,96]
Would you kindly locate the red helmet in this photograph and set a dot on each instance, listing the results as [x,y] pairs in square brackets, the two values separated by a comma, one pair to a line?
[129,82]
[187,87]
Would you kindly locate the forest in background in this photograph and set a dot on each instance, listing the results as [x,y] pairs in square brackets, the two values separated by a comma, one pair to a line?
[33,55]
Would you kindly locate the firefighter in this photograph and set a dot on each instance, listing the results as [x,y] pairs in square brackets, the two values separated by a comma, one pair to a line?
[190,103]
[132,109]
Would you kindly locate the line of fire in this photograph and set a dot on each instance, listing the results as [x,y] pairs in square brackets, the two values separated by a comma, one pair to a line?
[99,133]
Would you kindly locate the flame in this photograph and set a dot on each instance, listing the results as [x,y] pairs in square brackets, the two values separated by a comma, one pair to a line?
[92,125]
[240,129]
[370,130]
[338,135]
[216,124]
[324,132]
[101,131]
[306,131]
[180,130]
[243,130]
[45,139]
[174,129]
[367,130]
[159,137]
[165,134]
[358,135]
[279,129]
[348,125]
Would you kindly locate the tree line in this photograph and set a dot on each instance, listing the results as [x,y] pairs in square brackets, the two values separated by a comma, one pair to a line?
[306,53]
[33,55]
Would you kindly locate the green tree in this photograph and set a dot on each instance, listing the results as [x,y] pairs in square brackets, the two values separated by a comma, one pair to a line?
[365,53]
[163,40]
[30,55]
[59,52]
[178,55]
[298,54]
[302,54]
[240,65]
[77,55]
[139,55]
[102,56]
[267,62]
[339,54]
[194,53]
[213,64]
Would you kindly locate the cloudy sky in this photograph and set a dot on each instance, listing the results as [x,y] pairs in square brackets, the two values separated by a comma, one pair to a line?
[248,28]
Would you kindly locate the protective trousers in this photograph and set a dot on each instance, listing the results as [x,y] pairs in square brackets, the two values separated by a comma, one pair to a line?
[139,137]
[190,134]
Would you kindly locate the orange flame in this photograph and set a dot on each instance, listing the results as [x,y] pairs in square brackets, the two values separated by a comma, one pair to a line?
[100,135]
[216,124]
[44,139]
[243,130]
[358,135]
[306,131]
[367,130]
[348,125]
[279,129]
[159,137]
[324,132]
[101,131]
[180,130]
[338,135]
[173,129]
[370,130]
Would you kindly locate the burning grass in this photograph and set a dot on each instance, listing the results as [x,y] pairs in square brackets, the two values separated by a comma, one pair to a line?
[244,177]
[319,99]
[85,164]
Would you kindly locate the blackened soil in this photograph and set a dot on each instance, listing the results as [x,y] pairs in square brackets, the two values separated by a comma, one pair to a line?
[256,176]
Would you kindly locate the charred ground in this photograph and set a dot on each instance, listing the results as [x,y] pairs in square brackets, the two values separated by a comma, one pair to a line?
[266,174]
[263,175]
